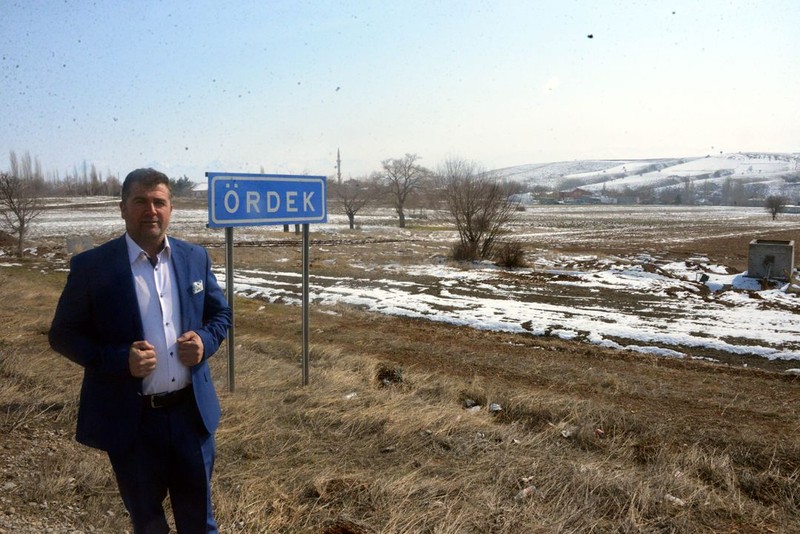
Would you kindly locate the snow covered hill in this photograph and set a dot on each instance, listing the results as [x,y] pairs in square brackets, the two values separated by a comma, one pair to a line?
[774,170]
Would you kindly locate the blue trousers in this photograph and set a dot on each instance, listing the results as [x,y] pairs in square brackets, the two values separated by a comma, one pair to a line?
[172,454]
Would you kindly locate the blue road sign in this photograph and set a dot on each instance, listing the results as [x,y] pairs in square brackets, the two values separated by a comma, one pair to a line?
[262,199]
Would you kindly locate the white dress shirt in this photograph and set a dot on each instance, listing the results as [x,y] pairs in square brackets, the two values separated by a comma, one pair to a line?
[159,307]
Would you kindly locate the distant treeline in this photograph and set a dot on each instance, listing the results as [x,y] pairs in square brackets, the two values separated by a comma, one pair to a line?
[83,181]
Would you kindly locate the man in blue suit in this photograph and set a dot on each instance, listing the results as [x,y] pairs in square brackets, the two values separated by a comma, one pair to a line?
[142,314]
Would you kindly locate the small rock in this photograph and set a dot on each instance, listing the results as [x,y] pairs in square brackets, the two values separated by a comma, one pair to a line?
[674,500]
[569,432]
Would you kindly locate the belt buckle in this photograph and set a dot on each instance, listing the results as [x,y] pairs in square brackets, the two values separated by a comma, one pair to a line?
[153,402]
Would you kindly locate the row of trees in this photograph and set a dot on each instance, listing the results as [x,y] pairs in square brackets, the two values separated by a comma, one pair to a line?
[24,186]
[476,202]
[398,185]
[85,180]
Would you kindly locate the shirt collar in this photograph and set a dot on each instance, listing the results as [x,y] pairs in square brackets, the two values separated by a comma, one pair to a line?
[135,252]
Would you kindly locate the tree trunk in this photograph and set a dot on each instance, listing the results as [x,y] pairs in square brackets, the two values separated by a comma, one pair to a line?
[21,231]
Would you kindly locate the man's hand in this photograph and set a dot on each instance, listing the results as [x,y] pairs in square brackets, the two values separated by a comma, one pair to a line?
[141,359]
[190,348]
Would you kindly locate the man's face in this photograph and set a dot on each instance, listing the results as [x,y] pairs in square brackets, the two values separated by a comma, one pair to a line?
[147,212]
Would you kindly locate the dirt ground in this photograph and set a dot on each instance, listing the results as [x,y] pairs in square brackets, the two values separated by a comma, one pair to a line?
[647,414]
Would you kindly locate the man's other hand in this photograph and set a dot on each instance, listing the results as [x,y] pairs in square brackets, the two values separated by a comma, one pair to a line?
[141,359]
[190,348]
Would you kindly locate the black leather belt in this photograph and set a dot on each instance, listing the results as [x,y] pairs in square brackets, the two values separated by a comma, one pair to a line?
[168,400]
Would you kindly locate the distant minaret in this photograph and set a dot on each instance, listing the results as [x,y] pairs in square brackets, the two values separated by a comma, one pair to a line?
[338,167]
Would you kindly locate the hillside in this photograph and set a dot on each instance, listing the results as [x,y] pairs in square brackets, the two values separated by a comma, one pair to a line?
[776,171]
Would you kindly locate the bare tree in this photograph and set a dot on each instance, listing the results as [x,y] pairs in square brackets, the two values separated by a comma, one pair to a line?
[20,202]
[112,187]
[478,204]
[401,177]
[352,195]
[95,180]
[27,168]
[775,204]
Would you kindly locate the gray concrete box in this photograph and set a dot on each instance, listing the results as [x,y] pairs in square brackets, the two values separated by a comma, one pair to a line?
[770,258]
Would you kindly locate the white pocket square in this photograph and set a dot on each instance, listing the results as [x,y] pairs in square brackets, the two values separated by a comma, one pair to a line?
[197,287]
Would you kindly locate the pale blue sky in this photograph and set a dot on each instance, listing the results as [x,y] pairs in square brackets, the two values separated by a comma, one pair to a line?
[199,86]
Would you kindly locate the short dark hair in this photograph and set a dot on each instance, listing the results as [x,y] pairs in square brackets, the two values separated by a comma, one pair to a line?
[148,177]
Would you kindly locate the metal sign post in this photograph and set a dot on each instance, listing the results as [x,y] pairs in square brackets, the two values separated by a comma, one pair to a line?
[306,263]
[229,295]
[236,199]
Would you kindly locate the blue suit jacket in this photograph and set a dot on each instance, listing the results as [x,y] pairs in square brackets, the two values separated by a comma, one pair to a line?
[97,319]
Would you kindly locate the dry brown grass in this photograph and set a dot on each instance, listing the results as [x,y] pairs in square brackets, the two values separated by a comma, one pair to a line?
[383,440]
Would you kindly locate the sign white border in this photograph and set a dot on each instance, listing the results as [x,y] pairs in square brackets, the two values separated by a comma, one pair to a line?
[217,221]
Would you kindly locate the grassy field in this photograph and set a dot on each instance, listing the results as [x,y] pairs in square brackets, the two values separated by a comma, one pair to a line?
[410,426]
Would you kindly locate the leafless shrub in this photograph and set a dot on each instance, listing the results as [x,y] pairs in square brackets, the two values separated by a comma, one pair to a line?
[478,204]
[510,254]
[464,252]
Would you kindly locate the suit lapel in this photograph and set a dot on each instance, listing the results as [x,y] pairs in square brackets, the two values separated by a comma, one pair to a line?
[180,267]
[119,263]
